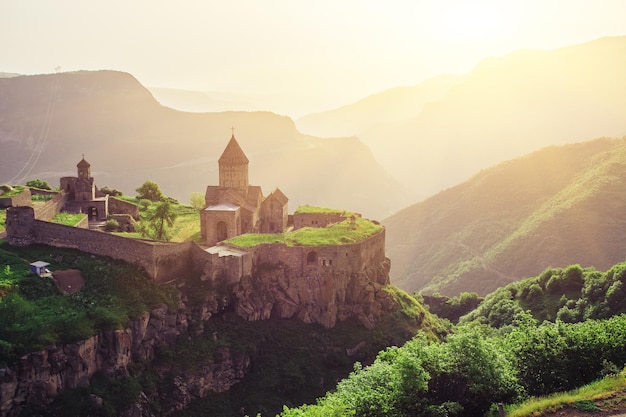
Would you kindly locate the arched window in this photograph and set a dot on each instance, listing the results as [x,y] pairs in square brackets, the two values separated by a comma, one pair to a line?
[311,258]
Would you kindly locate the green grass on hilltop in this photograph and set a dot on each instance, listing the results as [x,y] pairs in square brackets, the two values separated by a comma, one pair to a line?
[3,219]
[187,224]
[336,234]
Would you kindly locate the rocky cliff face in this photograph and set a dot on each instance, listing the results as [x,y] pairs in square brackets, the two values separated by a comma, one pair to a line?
[41,376]
[323,297]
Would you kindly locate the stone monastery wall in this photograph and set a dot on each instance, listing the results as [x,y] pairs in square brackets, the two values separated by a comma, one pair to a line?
[21,199]
[162,261]
[352,257]
[123,207]
[301,220]
[51,207]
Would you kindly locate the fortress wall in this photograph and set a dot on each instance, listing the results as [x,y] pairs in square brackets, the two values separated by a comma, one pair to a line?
[162,261]
[305,260]
[175,261]
[39,191]
[227,268]
[21,199]
[301,220]
[123,207]
[47,210]
[98,243]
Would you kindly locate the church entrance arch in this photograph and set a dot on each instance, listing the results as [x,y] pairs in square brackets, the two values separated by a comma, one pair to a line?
[221,231]
[92,212]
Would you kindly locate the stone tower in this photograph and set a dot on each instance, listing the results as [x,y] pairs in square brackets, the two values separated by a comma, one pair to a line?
[233,165]
[84,169]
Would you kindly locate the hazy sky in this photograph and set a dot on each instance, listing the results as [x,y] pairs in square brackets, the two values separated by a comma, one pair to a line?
[327,53]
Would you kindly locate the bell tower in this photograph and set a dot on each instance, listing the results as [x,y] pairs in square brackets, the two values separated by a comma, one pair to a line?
[233,166]
[84,169]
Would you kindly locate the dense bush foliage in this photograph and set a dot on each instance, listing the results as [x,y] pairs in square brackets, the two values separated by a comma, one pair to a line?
[571,294]
[41,184]
[451,308]
[476,368]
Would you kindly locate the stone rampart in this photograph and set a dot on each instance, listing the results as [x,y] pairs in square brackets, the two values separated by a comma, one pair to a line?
[306,259]
[21,199]
[40,191]
[301,220]
[162,261]
[50,208]
[123,207]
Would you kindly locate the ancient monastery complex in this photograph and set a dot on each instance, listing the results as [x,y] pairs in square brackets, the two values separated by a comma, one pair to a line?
[320,283]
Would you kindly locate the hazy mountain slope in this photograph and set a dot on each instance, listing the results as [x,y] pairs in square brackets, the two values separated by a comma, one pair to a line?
[47,122]
[505,107]
[555,207]
[393,105]
[199,101]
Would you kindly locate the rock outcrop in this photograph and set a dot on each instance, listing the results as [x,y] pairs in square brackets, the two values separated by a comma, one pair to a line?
[324,296]
[40,376]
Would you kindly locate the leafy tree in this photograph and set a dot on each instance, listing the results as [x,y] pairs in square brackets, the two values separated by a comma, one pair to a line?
[157,223]
[111,191]
[150,190]
[144,203]
[197,201]
[39,184]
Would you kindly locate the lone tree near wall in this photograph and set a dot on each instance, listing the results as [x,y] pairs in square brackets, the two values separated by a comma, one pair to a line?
[150,190]
[157,223]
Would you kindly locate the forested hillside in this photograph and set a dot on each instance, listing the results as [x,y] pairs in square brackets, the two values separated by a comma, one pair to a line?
[500,353]
[571,295]
[555,207]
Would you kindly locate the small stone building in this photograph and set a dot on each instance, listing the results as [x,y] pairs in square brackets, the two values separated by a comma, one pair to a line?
[235,207]
[83,195]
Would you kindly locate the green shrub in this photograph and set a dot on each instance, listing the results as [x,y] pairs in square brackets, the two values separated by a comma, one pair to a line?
[111,225]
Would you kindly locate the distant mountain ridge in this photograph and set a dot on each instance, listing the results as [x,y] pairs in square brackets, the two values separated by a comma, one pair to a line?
[505,107]
[552,208]
[47,122]
[390,106]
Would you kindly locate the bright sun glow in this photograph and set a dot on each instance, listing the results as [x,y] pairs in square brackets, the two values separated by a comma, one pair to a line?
[472,23]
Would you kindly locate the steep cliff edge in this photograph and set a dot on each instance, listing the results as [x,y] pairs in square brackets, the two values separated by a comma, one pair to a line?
[276,334]
[41,376]
[325,297]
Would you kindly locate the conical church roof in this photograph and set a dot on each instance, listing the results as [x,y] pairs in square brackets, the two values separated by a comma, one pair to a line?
[233,154]
[83,163]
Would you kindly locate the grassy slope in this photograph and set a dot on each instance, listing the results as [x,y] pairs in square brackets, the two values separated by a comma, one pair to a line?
[555,207]
[606,396]
[33,313]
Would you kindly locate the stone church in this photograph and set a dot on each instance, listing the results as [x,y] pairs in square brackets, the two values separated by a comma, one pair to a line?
[235,207]
[83,195]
